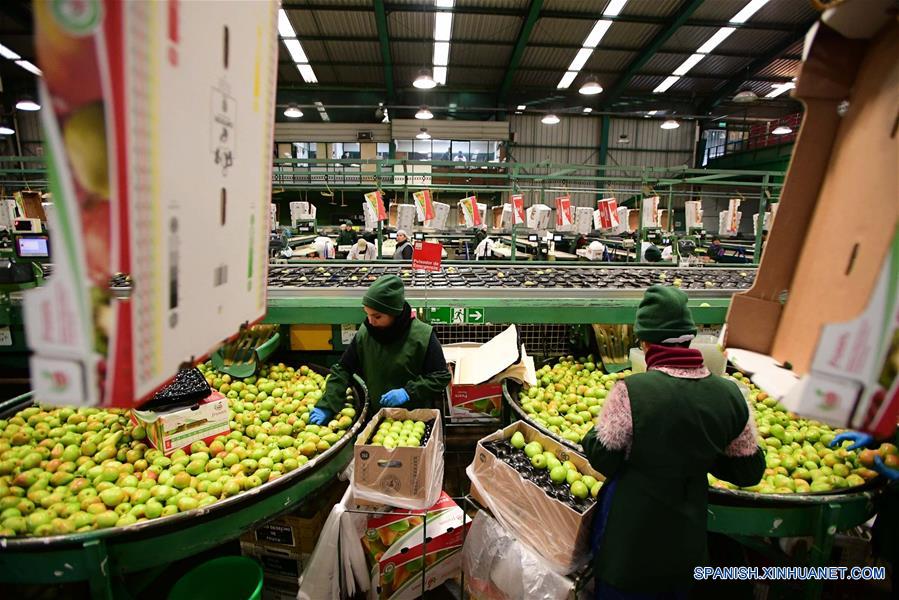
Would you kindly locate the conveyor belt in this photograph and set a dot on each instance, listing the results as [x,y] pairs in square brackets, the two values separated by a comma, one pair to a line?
[304,278]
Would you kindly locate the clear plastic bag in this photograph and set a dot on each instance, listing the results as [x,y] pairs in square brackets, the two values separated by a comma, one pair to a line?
[321,578]
[498,567]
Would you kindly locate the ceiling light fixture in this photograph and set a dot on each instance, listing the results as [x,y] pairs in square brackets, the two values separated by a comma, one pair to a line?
[8,54]
[29,67]
[423,134]
[624,139]
[670,124]
[424,114]
[27,104]
[550,119]
[745,96]
[295,48]
[293,112]
[521,107]
[587,110]
[443,31]
[6,130]
[663,87]
[591,87]
[748,10]
[424,81]
[782,130]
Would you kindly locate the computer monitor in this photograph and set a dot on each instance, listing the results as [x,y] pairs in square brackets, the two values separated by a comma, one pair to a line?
[33,246]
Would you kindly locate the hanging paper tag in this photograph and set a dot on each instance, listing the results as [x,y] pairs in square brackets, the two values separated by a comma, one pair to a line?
[376,202]
[423,205]
[470,211]
[563,211]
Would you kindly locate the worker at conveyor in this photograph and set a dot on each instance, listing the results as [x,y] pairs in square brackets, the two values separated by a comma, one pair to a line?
[658,435]
[484,248]
[403,247]
[397,356]
[363,250]
[346,235]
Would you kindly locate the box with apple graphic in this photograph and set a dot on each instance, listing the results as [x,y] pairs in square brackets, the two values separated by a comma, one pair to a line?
[414,551]
[521,475]
[398,459]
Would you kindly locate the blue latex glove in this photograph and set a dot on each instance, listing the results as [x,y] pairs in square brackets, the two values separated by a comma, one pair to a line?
[395,397]
[320,416]
[890,474]
[861,439]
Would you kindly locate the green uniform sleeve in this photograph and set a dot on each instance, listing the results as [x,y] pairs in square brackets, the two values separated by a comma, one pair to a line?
[603,459]
[335,390]
[740,470]
[427,388]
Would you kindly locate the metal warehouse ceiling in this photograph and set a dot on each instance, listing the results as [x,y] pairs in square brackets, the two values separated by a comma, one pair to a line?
[505,53]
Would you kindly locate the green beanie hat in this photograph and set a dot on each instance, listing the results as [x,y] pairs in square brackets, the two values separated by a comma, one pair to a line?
[386,295]
[653,254]
[663,314]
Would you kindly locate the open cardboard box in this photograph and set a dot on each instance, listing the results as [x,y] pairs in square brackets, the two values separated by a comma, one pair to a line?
[170,430]
[402,477]
[838,326]
[552,529]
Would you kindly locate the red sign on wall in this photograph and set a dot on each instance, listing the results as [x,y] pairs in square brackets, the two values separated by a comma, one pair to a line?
[426,256]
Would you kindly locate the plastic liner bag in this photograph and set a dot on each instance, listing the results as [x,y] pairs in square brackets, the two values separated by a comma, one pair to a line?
[401,477]
[562,537]
[498,567]
[321,578]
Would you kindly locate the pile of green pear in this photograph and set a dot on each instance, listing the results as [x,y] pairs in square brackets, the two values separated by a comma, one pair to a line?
[569,395]
[65,470]
[399,434]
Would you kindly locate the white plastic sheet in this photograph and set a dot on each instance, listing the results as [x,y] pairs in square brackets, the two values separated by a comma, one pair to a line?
[498,567]
[321,578]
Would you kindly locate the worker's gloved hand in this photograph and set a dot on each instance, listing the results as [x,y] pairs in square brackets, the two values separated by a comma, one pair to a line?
[860,439]
[395,397]
[320,416]
[890,474]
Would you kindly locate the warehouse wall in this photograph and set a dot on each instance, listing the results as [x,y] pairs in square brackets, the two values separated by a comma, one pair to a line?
[576,139]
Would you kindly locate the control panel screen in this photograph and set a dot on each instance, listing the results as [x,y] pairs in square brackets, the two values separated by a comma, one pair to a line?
[32,247]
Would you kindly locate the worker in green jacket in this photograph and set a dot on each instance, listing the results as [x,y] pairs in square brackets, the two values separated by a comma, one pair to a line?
[657,437]
[397,356]
[346,236]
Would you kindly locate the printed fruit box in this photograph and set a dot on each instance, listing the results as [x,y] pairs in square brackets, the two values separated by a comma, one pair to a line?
[515,500]
[474,402]
[168,431]
[402,548]
[400,476]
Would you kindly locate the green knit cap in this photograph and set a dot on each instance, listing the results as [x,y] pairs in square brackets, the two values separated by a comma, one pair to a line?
[663,314]
[386,295]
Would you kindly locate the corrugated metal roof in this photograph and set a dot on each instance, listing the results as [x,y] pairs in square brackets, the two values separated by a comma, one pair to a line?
[508,4]
[663,62]
[786,11]
[644,82]
[723,66]
[324,73]
[333,23]
[549,58]
[315,52]
[781,67]
[651,8]
[695,86]
[360,75]
[609,60]
[288,74]
[467,54]
[688,37]
[530,79]
[631,35]
[585,6]
[723,10]
[414,53]
[416,25]
[350,51]
[555,30]
[493,27]
[480,78]
[752,42]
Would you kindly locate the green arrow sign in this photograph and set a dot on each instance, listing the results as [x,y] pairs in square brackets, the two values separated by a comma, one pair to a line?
[455,315]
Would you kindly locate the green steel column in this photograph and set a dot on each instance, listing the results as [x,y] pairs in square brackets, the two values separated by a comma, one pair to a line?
[384,41]
[760,220]
[520,44]
[604,140]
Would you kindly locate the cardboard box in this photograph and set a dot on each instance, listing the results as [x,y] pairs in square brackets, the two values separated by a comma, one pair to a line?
[403,477]
[168,431]
[402,548]
[838,326]
[552,529]
[474,402]
[278,564]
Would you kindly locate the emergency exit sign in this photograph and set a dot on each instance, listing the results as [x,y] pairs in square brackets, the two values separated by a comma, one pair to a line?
[455,315]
